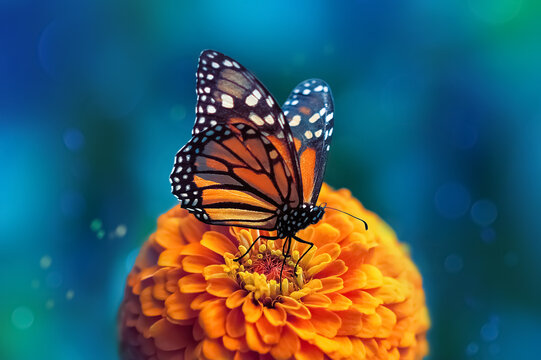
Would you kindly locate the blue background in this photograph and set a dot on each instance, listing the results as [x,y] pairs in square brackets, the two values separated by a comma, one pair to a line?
[437,129]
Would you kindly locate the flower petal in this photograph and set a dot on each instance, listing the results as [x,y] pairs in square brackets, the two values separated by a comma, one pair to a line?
[363,301]
[337,347]
[212,318]
[170,337]
[219,243]
[169,257]
[374,276]
[196,249]
[192,283]
[301,311]
[342,223]
[246,355]
[316,300]
[254,341]
[201,300]
[324,234]
[178,306]
[326,322]
[388,321]
[335,268]
[288,345]
[352,322]
[269,333]
[196,264]
[276,316]
[214,349]
[252,309]
[359,351]
[235,323]
[303,328]
[308,352]
[222,286]
[236,299]
[149,305]
[235,344]
[331,284]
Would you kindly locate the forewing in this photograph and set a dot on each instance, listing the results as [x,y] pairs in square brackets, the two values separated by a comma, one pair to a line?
[227,93]
[309,112]
[232,175]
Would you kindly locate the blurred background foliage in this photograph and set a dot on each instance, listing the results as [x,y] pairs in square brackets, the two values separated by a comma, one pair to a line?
[437,130]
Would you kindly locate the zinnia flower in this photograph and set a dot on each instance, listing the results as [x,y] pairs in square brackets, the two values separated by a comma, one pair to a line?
[355,295]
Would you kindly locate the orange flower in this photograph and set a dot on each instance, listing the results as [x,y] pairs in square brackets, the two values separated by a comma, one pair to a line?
[355,295]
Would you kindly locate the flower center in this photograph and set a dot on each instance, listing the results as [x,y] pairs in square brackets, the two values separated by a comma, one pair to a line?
[259,270]
[271,266]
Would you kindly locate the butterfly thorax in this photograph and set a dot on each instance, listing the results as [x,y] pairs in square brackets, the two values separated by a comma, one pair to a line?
[291,220]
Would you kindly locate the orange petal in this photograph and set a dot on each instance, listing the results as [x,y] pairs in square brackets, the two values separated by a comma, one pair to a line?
[331,284]
[214,349]
[332,249]
[192,283]
[236,299]
[288,345]
[269,333]
[235,344]
[308,352]
[252,309]
[392,291]
[169,257]
[335,268]
[196,264]
[324,234]
[374,276]
[219,243]
[354,279]
[149,305]
[338,302]
[364,302]
[338,347]
[276,316]
[246,355]
[212,318]
[352,254]
[159,290]
[170,337]
[359,351]
[254,341]
[197,332]
[301,311]
[222,287]
[234,323]
[196,249]
[316,300]
[342,224]
[352,322]
[371,324]
[178,306]
[326,322]
[303,328]
[201,300]
[388,321]
[213,271]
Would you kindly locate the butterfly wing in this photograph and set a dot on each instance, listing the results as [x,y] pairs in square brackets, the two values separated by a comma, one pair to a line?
[232,175]
[227,93]
[309,111]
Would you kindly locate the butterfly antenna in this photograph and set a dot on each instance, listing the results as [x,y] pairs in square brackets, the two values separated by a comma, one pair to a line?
[343,212]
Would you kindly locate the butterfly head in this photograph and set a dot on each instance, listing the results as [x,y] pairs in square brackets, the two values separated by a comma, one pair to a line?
[292,220]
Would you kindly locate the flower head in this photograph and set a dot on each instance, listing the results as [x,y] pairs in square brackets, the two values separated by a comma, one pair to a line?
[355,295]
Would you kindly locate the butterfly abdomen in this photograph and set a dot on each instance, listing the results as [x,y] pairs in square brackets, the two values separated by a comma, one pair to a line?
[291,220]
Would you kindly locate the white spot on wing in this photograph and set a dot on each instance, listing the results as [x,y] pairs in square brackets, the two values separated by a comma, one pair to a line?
[296,120]
[308,134]
[227,101]
[256,119]
[251,100]
[314,118]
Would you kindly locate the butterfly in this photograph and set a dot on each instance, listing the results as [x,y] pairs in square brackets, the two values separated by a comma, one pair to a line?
[249,162]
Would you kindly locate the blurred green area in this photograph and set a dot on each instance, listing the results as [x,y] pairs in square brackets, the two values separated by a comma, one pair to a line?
[437,129]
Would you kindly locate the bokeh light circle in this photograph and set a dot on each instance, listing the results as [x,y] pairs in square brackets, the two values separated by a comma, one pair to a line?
[484,212]
[453,263]
[22,317]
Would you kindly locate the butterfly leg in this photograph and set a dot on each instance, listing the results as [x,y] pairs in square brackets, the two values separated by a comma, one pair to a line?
[306,252]
[253,243]
[286,255]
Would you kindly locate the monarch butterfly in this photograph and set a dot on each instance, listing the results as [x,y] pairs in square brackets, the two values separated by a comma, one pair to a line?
[249,162]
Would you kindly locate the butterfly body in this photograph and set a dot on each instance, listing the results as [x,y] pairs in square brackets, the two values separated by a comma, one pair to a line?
[249,162]
[291,220]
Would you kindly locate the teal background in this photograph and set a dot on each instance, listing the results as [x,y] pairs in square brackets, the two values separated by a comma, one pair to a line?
[437,129]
